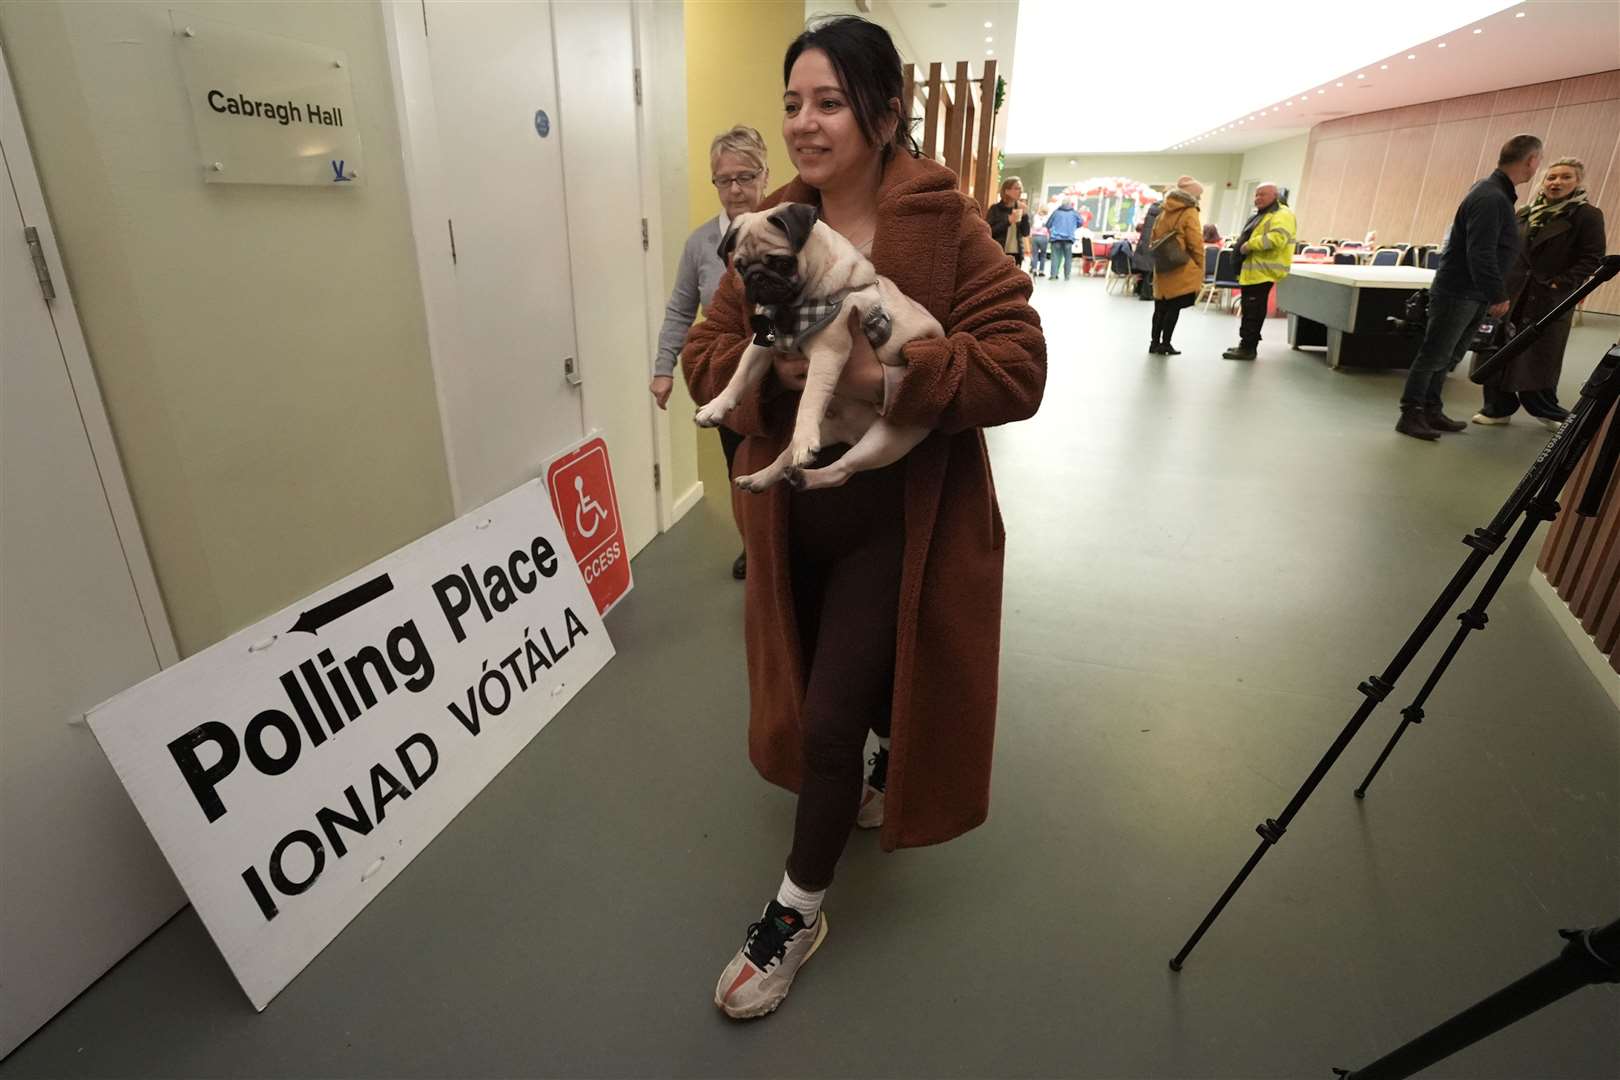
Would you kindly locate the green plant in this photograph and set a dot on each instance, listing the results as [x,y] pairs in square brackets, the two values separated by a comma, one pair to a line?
[1001,93]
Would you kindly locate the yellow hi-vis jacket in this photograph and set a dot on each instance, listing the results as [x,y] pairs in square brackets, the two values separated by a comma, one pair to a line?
[1271,247]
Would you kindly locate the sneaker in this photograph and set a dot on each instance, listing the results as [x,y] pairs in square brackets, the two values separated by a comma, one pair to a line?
[1489,420]
[1549,423]
[760,975]
[871,815]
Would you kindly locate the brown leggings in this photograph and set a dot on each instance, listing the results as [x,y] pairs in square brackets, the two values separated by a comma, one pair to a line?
[848,545]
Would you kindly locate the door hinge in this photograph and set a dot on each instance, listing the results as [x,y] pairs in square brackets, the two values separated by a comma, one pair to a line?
[638,86]
[658,477]
[571,371]
[643,234]
[42,270]
[452,225]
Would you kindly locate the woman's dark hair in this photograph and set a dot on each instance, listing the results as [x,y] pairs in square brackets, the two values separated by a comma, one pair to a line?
[868,67]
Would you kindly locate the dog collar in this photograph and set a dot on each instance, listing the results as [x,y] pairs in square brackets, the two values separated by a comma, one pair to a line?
[783,326]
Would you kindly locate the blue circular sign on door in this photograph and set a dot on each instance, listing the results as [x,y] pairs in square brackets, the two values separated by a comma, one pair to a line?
[542,123]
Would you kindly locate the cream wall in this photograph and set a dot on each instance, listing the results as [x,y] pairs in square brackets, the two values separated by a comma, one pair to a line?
[664,78]
[1281,162]
[261,350]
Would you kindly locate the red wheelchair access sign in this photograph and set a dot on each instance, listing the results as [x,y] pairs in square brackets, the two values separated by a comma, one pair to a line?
[581,486]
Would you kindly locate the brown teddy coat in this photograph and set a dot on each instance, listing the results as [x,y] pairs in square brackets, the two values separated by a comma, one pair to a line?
[1180,215]
[989,369]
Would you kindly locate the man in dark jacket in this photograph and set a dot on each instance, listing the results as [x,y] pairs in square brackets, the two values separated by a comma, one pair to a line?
[1008,222]
[1470,283]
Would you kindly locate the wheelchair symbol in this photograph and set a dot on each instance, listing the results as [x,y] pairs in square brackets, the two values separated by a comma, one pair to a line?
[587,506]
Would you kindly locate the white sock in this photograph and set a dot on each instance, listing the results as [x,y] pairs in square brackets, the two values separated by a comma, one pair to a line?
[803,901]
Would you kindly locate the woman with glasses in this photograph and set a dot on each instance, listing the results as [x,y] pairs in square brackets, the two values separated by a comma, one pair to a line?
[737,166]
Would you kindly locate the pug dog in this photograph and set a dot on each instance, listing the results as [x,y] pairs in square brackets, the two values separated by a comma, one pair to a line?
[804,280]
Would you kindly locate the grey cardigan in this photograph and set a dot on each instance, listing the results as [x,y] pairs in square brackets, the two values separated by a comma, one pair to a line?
[695,281]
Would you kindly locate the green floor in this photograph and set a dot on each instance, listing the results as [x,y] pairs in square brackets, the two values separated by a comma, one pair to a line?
[1205,558]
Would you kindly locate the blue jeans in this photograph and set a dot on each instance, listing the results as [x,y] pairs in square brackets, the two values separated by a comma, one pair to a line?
[1037,254]
[1452,320]
[1062,252]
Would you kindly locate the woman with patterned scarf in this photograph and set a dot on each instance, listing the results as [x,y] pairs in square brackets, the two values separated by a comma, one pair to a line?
[1563,243]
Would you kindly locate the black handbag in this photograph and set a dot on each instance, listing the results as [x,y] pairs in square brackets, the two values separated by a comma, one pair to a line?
[1490,334]
[1169,252]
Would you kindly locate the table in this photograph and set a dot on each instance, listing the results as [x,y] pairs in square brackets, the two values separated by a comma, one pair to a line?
[1100,251]
[1345,308]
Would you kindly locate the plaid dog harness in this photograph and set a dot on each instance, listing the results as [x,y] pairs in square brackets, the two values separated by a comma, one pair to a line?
[783,326]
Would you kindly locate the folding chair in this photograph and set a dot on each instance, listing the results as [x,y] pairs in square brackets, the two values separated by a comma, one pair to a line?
[1212,258]
[1119,267]
[1226,273]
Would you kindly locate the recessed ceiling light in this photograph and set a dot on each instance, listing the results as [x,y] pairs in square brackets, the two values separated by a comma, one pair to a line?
[988,39]
[1363,76]
[1520,15]
[1251,116]
[1339,83]
[1381,67]
[1479,29]
[1071,161]
[1411,56]
[1241,123]
[1441,45]
[988,25]
[1290,104]
[1321,91]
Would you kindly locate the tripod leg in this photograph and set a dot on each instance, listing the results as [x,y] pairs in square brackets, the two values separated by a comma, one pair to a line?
[1555,460]
[1473,619]
[1562,455]
[1591,956]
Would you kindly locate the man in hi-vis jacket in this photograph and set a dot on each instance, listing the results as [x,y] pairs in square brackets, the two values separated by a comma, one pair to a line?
[1267,247]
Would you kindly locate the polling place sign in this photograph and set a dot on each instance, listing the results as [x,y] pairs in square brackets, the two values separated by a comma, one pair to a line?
[291,771]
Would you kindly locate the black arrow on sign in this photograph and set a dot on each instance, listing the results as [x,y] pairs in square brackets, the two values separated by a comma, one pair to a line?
[358,597]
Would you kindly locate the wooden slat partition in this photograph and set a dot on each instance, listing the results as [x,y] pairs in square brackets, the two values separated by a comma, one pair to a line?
[981,155]
[1581,558]
[955,119]
[931,112]
[958,122]
[1402,171]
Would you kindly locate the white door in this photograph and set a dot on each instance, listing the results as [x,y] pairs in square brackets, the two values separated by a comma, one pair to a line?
[602,166]
[83,883]
[508,401]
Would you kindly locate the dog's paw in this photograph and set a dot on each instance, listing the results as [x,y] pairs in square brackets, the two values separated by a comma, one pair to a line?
[795,478]
[711,414]
[820,479]
[804,452]
[755,482]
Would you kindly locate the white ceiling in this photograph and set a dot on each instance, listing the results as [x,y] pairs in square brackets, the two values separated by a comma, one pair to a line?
[943,31]
[1250,65]
[1537,41]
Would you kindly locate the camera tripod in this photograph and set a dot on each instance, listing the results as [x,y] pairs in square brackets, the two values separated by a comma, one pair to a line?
[1534,500]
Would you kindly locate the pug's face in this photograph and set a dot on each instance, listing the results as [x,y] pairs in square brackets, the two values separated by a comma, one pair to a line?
[768,250]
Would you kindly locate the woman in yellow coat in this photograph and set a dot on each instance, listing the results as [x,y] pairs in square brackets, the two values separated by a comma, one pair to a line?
[1178,287]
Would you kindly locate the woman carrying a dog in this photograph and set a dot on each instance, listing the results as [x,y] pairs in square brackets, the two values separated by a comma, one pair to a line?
[875,606]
